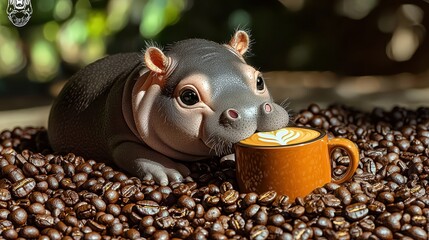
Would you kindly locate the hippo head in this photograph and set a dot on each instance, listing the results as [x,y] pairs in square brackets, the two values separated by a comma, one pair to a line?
[200,97]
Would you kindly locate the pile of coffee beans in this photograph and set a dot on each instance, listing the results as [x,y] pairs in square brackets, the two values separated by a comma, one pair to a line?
[44,195]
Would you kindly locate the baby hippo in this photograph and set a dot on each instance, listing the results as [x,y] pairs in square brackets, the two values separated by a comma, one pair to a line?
[190,102]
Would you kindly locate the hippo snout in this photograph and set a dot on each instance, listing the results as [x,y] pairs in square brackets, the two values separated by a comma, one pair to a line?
[242,122]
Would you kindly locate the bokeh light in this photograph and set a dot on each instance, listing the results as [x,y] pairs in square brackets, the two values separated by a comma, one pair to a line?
[11,57]
[44,61]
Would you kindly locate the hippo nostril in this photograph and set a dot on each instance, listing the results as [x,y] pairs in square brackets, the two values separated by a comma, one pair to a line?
[268,108]
[233,114]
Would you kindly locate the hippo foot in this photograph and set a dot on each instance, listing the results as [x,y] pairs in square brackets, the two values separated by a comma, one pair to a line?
[162,172]
[229,157]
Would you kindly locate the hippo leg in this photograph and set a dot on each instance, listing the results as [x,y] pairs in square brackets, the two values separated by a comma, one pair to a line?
[148,164]
[229,157]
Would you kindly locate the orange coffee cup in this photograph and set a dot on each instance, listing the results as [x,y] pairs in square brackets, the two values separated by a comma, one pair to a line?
[290,165]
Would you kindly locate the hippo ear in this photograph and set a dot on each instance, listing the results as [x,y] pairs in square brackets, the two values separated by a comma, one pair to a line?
[155,60]
[240,42]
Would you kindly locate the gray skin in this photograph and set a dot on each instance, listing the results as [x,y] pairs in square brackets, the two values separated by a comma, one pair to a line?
[191,102]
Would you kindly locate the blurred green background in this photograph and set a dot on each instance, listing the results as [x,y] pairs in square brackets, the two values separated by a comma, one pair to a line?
[345,37]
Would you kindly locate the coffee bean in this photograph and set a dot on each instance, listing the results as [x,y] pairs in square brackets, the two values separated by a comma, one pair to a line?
[29,232]
[344,195]
[211,200]
[70,197]
[212,214]
[13,173]
[113,209]
[5,194]
[324,222]
[99,204]
[276,220]
[147,207]
[44,220]
[30,170]
[261,217]
[10,234]
[251,211]
[92,236]
[331,201]
[250,198]
[4,213]
[187,202]
[416,233]
[377,207]
[23,187]
[19,216]
[55,203]
[259,232]
[111,196]
[267,198]
[229,197]
[84,210]
[356,211]
[296,211]
[237,223]
[383,233]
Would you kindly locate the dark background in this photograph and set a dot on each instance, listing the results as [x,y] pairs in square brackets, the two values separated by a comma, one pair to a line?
[345,37]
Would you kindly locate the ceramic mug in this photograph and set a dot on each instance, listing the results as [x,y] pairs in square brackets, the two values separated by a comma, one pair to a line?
[292,161]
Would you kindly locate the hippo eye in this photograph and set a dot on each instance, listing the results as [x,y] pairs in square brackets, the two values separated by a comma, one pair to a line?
[260,83]
[189,97]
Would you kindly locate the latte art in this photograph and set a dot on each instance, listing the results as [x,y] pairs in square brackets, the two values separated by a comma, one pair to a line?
[281,137]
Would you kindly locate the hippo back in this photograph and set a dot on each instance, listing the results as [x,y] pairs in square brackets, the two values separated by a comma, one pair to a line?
[78,116]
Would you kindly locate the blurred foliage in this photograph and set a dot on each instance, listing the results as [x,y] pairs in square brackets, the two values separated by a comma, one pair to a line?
[350,37]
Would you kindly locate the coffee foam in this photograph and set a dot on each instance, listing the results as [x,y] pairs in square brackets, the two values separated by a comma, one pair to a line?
[281,137]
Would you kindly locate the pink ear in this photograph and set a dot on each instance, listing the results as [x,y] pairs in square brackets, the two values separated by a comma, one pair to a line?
[155,60]
[240,42]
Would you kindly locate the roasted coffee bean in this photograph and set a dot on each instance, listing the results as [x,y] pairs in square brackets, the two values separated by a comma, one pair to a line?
[111,196]
[4,213]
[261,217]
[211,200]
[147,207]
[128,191]
[13,173]
[29,232]
[55,203]
[331,201]
[393,221]
[95,226]
[276,220]
[23,187]
[187,202]
[164,222]
[116,229]
[356,211]
[237,223]
[267,198]
[30,170]
[229,197]
[250,198]
[259,232]
[84,210]
[44,220]
[251,211]
[212,214]
[70,197]
[383,233]
[296,211]
[10,234]
[5,194]
[19,216]
[344,195]
[92,236]
[161,234]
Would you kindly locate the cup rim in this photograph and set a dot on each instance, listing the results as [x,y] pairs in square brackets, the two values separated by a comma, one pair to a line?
[322,134]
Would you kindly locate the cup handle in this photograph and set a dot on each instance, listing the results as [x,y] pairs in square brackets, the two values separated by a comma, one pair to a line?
[351,150]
